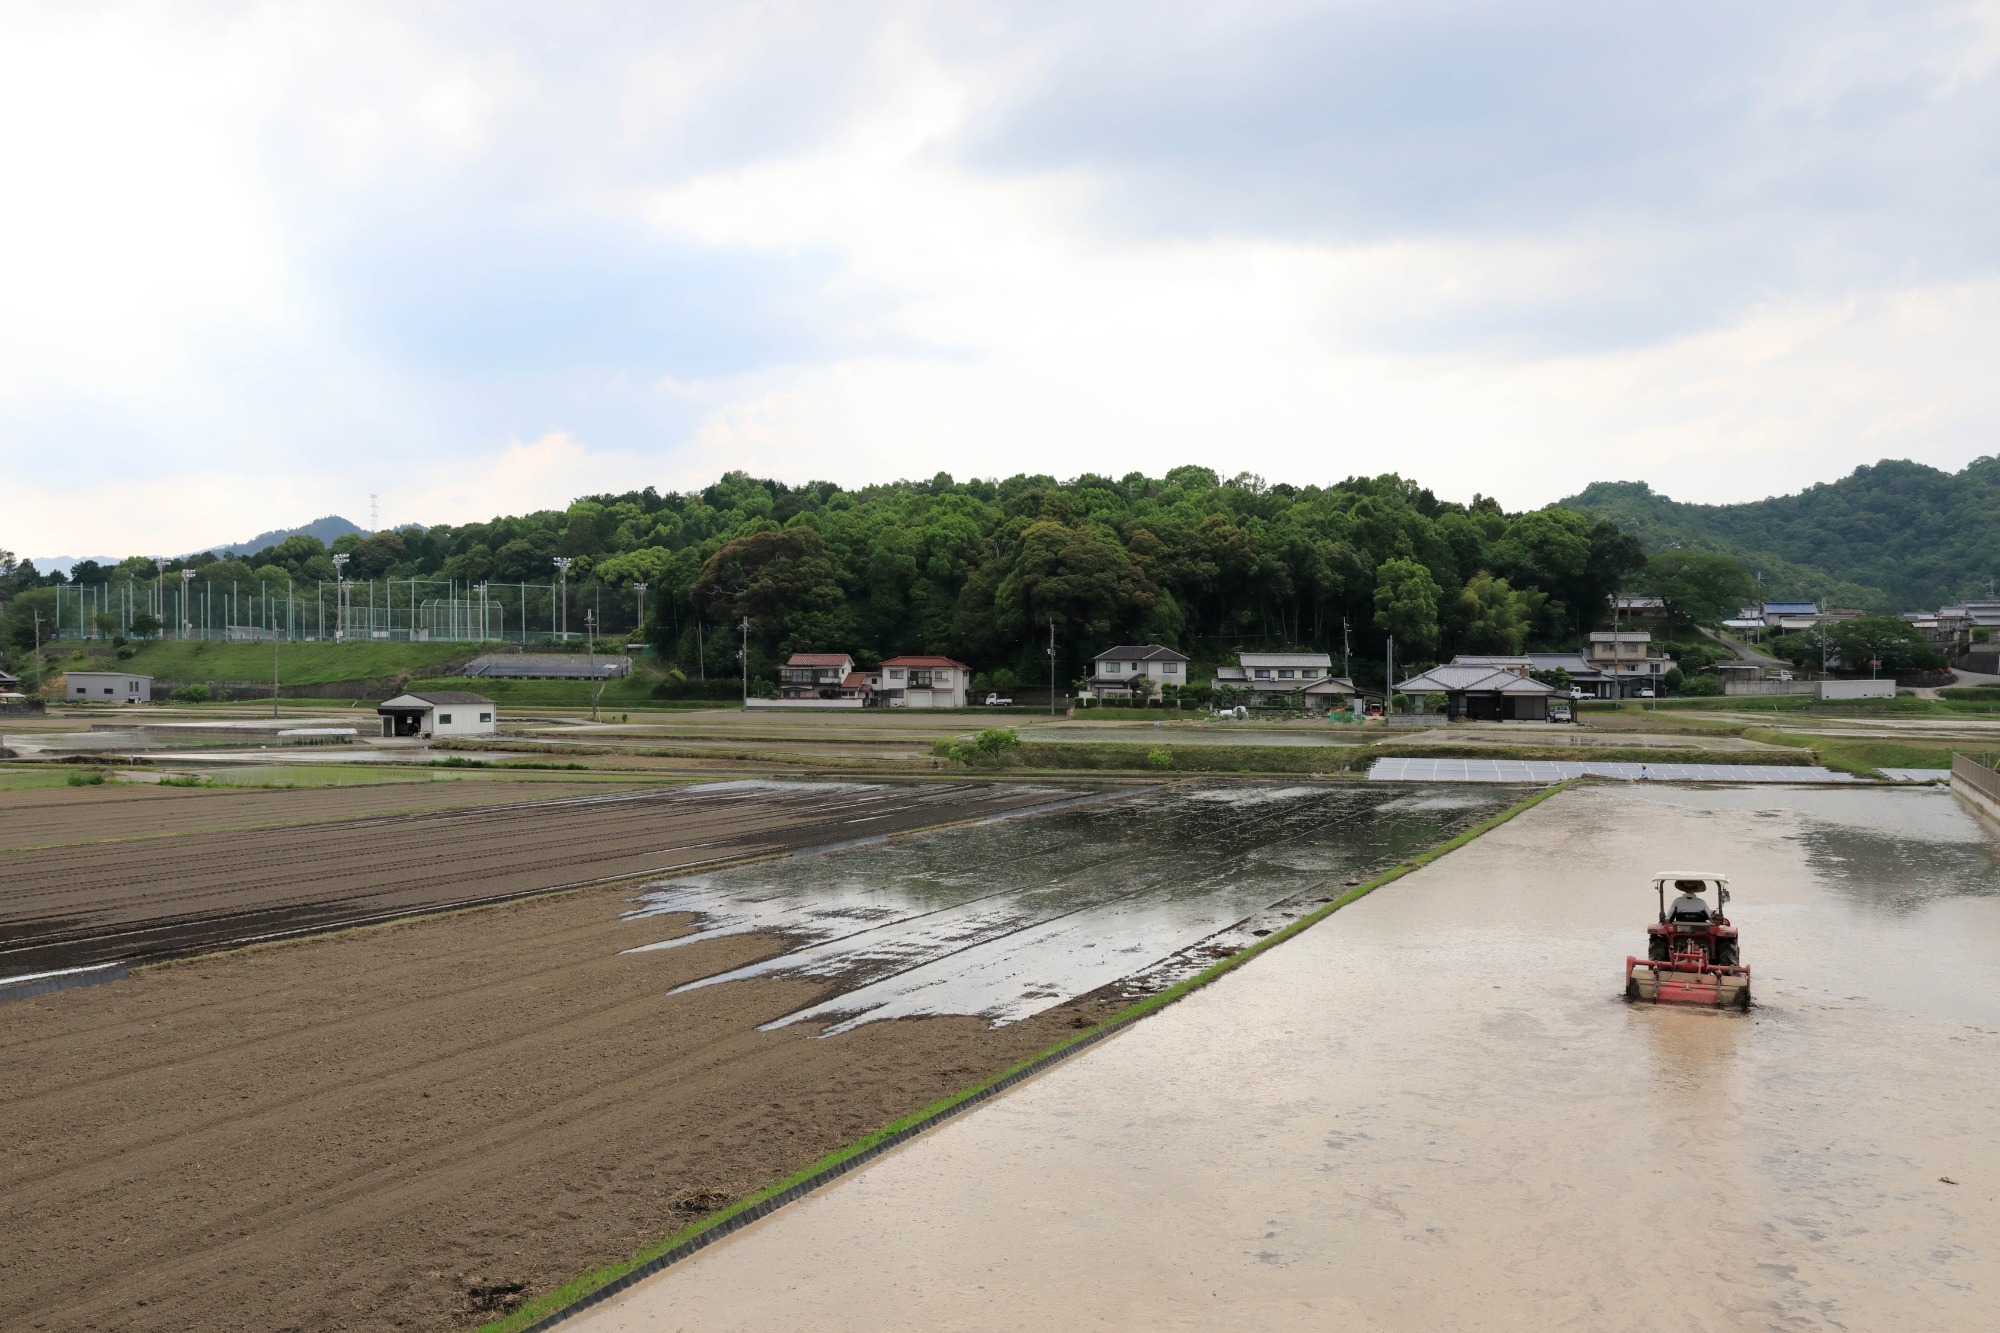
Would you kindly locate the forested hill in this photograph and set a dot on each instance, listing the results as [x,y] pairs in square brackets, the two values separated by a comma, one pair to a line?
[1897,536]
[976,569]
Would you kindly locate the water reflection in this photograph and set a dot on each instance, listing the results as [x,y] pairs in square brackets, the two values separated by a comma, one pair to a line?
[1005,920]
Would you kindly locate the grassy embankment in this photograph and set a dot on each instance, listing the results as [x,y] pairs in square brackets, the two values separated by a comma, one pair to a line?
[1326,760]
[298,663]
[656,1255]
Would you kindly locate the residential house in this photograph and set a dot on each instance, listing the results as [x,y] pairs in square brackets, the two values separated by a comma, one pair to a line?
[1271,676]
[924,682]
[1482,693]
[1117,672]
[1583,674]
[1627,657]
[814,676]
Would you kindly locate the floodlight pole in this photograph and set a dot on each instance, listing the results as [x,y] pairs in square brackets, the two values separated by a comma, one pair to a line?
[562,616]
[161,562]
[340,598]
[274,674]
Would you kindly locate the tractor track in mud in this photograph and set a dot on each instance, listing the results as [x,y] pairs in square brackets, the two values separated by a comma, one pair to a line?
[160,898]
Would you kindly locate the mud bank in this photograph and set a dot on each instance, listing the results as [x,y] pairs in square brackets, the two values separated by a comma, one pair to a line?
[1432,1111]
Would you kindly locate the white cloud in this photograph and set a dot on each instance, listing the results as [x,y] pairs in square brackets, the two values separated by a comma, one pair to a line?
[212,293]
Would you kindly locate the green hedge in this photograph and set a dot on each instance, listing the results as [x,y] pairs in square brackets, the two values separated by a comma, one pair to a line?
[1186,758]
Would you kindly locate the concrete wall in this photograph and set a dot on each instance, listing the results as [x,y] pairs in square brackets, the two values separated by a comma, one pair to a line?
[803,703]
[1767,687]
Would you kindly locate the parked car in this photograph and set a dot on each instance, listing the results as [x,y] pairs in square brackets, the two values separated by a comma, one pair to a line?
[995,701]
[1559,712]
[1646,692]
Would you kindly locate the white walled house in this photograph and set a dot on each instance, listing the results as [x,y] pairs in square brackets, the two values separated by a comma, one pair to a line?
[815,676]
[1281,674]
[924,682]
[108,687]
[1116,672]
[438,713]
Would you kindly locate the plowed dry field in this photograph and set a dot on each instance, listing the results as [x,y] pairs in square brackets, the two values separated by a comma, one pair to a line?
[417,1124]
[136,898]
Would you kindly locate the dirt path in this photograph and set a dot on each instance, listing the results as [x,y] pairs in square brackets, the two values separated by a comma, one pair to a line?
[164,897]
[405,1127]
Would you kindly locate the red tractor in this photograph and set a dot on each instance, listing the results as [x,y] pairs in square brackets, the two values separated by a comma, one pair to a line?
[1692,955]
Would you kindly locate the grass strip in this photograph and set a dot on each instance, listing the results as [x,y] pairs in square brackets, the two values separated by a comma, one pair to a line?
[578,1288]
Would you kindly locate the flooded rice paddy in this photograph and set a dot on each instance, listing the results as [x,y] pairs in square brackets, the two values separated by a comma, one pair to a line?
[1433,1110]
[1011,917]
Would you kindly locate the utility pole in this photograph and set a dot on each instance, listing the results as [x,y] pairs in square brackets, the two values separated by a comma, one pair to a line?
[1389,683]
[590,641]
[744,654]
[1052,666]
[562,620]
[187,625]
[274,674]
[1346,667]
[640,588]
[38,652]
[160,561]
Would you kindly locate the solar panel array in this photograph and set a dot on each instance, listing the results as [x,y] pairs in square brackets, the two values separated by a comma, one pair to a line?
[1519,770]
[1916,774]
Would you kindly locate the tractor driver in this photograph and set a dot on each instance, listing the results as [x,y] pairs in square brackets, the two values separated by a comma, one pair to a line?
[1690,905]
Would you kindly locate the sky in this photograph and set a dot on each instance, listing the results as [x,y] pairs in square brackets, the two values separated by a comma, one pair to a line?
[261,262]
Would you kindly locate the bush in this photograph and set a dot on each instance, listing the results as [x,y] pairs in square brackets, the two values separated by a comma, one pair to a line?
[192,694]
[1701,687]
[86,779]
[677,686]
[1673,680]
[990,747]
[1159,757]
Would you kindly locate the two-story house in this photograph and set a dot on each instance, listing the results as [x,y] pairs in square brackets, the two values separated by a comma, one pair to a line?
[924,682]
[814,675]
[1309,675]
[1627,657]
[1117,672]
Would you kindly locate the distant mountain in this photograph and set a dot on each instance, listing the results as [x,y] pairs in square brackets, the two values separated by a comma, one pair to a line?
[326,529]
[1898,536]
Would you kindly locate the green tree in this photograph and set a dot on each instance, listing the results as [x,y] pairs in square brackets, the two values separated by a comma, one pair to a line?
[1896,644]
[1406,603]
[1699,588]
[785,583]
[1495,617]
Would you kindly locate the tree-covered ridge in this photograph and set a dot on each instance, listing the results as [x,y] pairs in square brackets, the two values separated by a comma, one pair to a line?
[1896,536]
[978,569]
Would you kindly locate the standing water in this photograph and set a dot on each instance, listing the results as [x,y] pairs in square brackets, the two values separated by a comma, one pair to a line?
[1433,1110]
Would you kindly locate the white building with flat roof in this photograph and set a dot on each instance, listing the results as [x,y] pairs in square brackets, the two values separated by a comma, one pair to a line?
[108,687]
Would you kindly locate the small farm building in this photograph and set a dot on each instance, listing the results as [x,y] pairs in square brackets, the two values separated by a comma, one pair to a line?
[108,687]
[437,713]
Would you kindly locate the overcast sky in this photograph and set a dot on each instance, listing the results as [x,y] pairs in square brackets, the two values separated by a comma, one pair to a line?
[257,262]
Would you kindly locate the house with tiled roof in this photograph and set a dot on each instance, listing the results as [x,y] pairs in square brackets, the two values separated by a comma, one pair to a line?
[1128,669]
[815,676]
[924,682]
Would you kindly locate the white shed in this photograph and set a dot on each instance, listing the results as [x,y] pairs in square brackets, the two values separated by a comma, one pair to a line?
[437,713]
[109,687]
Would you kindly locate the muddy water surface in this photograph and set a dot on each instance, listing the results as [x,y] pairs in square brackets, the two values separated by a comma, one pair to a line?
[1433,1112]
[1008,918]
